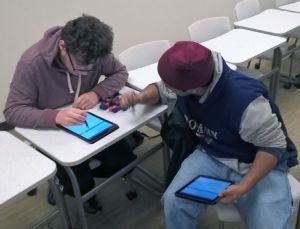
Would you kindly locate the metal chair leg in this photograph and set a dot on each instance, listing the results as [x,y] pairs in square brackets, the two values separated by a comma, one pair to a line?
[131,193]
[221,225]
[297,220]
[249,63]
[291,67]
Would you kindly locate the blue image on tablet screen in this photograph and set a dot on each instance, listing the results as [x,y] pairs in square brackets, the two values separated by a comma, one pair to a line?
[93,126]
[204,187]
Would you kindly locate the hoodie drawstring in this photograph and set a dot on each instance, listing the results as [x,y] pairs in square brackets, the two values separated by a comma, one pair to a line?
[69,83]
[71,91]
[78,87]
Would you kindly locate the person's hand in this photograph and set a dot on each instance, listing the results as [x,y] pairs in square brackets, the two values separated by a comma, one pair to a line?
[70,116]
[129,99]
[86,101]
[231,194]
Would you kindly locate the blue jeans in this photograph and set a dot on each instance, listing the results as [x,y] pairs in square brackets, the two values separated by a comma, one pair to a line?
[267,205]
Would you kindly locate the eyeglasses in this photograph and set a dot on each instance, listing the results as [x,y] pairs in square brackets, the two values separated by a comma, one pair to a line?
[81,67]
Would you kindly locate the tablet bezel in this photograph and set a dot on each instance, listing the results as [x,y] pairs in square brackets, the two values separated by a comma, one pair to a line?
[96,137]
[178,193]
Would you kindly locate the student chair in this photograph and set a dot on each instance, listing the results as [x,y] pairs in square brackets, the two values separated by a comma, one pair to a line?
[283,2]
[209,28]
[249,8]
[138,56]
[228,212]
[142,55]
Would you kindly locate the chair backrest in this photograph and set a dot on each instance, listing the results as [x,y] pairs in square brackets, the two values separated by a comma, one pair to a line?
[283,2]
[143,54]
[247,8]
[209,28]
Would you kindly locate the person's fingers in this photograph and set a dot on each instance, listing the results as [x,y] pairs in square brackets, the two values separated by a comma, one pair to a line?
[224,200]
[225,192]
[130,99]
[221,194]
[74,122]
[124,101]
[83,105]
[77,115]
[88,106]
[79,111]
[78,103]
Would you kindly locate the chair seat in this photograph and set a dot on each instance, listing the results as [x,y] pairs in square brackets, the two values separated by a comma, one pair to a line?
[229,213]
[295,188]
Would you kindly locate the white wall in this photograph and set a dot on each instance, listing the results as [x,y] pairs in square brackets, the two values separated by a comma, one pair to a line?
[23,22]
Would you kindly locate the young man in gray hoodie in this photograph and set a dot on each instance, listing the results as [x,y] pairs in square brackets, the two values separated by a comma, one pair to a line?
[62,68]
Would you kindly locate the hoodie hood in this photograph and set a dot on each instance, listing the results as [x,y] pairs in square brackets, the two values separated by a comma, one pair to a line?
[50,52]
[49,44]
[218,65]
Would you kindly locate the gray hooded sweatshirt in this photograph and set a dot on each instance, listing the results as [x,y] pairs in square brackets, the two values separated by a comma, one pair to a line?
[41,83]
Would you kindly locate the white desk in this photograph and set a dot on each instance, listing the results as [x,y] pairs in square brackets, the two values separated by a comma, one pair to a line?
[294,7]
[142,77]
[69,150]
[21,168]
[272,21]
[239,45]
[276,22]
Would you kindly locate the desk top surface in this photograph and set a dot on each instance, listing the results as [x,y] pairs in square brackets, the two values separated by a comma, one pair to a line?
[21,168]
[142,77]
[240,45]
[69,150]
[273,21]
[295,7]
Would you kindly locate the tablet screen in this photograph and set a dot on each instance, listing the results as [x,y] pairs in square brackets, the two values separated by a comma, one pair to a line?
[205,187]
[95,127]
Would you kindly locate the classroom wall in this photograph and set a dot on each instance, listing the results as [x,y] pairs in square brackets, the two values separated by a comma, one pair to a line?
[23,22]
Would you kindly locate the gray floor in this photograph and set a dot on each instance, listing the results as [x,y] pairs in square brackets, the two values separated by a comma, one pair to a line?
[145,211]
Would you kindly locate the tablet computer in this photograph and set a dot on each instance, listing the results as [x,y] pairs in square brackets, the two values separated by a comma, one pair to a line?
[93,129]
[203,189]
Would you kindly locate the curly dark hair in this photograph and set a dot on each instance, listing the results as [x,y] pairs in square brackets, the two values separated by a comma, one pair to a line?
[88,37]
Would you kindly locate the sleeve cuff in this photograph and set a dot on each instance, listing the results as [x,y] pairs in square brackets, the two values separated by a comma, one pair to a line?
[279,153]
[48,119]
[102,94]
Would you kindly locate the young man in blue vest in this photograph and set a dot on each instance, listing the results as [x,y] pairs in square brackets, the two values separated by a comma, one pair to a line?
[239,137]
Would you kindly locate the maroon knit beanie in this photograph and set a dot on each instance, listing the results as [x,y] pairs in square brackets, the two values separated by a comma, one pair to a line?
[186,65]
